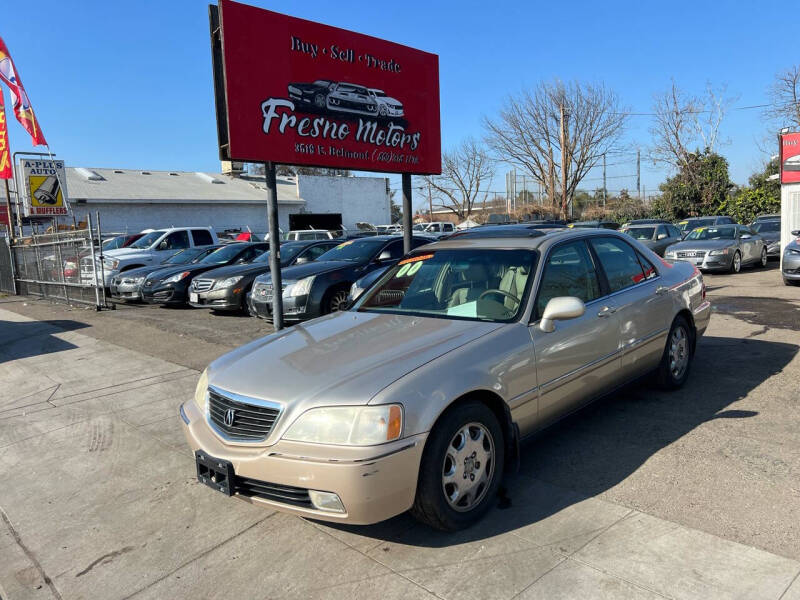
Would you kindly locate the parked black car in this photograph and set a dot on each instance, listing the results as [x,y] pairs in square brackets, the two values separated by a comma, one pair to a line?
[687,225]
[127,286]
[512,230]
[322,287]
[226,288]
[314,94]
[171,285]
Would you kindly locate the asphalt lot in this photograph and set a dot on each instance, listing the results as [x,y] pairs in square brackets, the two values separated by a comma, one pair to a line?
[648,494]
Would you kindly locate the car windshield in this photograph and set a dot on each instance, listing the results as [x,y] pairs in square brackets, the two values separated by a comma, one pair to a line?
[114,243]
[379,93]
[147,240]
[353,250]
[288,251]
[182,257]
[641,233]
[223,255]
[476,285]
[766,227]
[712,233]
[419,227]
[693,223]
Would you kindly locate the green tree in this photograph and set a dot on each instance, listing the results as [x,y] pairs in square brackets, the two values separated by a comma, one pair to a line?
[701,187]
[762,195]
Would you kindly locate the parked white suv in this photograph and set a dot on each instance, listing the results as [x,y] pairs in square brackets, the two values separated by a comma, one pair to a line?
[151,249]
[302,235]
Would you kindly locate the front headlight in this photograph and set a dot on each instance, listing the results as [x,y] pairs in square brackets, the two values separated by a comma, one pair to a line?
[348,425]
[176,277]
[719,252]
[230,281]
[201,390]
[299,288]
[111,264]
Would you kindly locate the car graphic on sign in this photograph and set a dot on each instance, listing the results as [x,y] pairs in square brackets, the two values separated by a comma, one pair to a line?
[387,106]
[792,163]
[334,97]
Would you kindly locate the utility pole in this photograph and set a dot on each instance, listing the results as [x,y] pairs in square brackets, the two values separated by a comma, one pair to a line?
[638,174]
[605,192]
[430,203]
[563,138]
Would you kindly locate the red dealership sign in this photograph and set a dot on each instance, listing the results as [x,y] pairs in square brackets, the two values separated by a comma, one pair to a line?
[297,92]
[790,157]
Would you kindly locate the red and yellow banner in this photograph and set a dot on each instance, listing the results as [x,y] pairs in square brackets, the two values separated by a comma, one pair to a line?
[22,104]
[5,156]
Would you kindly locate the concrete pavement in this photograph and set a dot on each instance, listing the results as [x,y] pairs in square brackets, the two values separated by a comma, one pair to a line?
[691,494]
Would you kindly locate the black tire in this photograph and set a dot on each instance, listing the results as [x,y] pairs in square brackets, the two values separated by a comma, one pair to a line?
[789,281]
[736,262]
[335,300]
[431,505]
[762,261]
[666,376]
[319,101]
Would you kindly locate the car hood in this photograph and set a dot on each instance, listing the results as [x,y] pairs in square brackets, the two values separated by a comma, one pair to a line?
[701,245]
[233,270]
[142,271]
[126,252]
[165,272]
[391,100]
[314,268]
[342,358]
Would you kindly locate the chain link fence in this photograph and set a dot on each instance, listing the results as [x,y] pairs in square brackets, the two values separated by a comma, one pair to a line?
[61,266]
[6,267]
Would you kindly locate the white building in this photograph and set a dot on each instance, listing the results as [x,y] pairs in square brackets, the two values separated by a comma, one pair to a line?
[131,200]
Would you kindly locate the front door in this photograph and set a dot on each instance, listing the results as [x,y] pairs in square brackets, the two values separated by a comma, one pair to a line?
[580,359]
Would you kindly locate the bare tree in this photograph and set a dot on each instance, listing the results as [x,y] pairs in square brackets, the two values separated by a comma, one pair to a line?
[784,95]
[557,128]
[684,125]
[465,169]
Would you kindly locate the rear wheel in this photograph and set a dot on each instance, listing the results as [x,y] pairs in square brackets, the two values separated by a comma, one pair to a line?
[736,263]
[461,468]
[676,360]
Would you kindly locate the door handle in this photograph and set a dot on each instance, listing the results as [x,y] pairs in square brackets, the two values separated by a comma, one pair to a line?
[661,290]
[606,311]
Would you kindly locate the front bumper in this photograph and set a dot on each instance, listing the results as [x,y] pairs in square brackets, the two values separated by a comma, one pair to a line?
[222,299]
[295,308]
[125,290]
[374,483]
[790,268]
[720,262]
[164,294]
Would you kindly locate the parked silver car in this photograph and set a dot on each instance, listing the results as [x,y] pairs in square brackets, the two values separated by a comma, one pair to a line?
[721,248]
[417,396]
[791,261]
[657,237]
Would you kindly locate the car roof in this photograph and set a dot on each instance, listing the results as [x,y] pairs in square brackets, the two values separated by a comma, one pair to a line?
[543,241]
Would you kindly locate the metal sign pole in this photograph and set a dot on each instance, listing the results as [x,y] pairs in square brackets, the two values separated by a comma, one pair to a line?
[101,257]
[274,245]
[94,263]
[407,212]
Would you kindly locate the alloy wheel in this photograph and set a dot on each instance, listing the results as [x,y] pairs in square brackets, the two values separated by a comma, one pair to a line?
[338,300]
[678,352]
[468,467]
[763,257]
[737,262]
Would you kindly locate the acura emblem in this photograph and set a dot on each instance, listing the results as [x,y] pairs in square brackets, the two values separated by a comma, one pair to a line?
[229,415]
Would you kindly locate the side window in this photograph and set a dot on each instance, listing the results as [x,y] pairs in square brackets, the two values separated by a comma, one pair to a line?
[619,262]
[673,231]
[178,240]
[448,227]
[724,221]
[569,271]
[315,252]
[661,230]
[648,268]
[395,249]
[202,237]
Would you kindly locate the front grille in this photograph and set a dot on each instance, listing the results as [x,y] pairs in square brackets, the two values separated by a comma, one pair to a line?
[250,422]
[202,285]
[285,494]
[691,254]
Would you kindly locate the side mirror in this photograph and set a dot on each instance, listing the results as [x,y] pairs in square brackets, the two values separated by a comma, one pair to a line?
[796,233]
[745,236]
[301,260]
[384,256]
[561,308]
[162,245]
[661,236]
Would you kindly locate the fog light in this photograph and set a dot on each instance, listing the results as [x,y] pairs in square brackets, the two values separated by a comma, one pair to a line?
[326,501]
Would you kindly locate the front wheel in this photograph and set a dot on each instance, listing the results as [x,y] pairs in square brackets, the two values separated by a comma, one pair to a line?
[461,468]
[763,260]
[676,360]
[337,301]
[736,263]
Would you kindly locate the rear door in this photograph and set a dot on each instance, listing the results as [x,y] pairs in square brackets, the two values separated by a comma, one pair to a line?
[580,359]
[643,305]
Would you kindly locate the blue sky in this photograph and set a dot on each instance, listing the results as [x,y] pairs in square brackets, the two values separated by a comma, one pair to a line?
[128,84]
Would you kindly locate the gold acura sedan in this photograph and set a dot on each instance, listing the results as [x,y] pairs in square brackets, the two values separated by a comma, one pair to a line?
[416,397]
